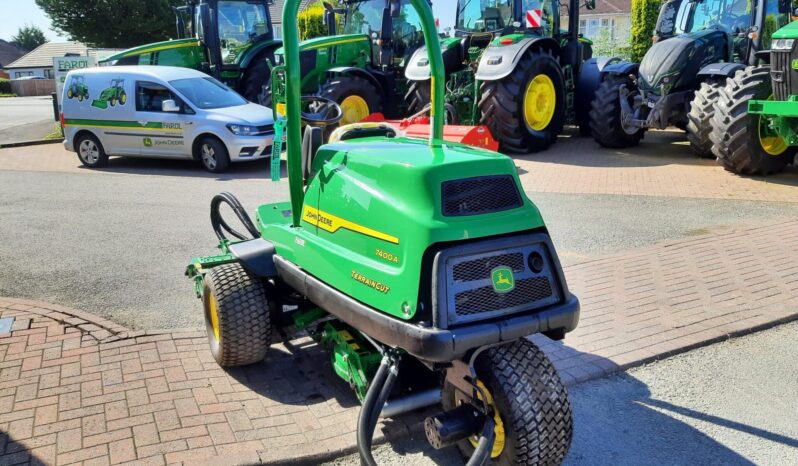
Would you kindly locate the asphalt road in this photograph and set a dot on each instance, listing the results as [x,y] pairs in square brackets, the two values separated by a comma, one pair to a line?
[116,242]
[732,403]
[25,118]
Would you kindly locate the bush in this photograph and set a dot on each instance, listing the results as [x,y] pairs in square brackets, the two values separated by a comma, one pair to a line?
[644,19]
[604,46]
[5,86]
[311,22]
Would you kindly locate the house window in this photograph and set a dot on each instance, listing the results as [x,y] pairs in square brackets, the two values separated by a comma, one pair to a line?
[22,74]
[594,28]
[48,73]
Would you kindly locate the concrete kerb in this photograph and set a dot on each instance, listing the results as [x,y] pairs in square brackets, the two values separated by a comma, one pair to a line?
[36,142]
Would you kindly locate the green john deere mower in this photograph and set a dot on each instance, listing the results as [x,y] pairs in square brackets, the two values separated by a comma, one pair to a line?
[422,264]
[230,40]
[755,127]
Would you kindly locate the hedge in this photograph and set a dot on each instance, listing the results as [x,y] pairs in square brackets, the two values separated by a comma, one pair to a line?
[644,19]
[5,86]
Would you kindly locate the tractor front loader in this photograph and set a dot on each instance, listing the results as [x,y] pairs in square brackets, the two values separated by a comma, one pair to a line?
[510,67]
[700,43]
[421,263]
[230,40]
[755,127]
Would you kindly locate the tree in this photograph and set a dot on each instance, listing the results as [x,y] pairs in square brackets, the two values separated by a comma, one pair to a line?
[29,37]
[113,24]
[644,19]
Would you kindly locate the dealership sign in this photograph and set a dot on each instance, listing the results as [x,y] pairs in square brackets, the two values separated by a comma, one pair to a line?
[63,65]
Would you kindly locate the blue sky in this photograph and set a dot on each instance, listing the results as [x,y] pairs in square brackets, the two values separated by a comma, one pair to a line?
[17,13]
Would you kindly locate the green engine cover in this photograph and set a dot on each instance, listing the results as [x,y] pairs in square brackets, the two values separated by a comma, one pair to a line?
[373,207]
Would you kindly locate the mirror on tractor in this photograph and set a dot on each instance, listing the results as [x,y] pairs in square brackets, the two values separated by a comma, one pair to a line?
[169,106]
[590,4]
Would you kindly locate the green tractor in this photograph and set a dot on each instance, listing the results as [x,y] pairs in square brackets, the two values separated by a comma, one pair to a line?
[755,127]
[113,94]
[230,40]
[421,263]
[701,44]
[512,68]
[78,89]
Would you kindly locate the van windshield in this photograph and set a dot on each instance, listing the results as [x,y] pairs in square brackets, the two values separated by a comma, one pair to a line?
[207,93]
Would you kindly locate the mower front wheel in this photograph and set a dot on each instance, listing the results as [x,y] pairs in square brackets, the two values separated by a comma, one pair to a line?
[237,315]
[532,409]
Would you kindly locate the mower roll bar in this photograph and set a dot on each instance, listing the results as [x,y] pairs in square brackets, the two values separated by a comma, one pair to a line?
[293,91]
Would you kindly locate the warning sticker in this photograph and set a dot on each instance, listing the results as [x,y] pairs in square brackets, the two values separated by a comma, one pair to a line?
[534,18]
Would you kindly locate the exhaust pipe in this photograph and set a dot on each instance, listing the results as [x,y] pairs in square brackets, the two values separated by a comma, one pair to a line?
[411,402]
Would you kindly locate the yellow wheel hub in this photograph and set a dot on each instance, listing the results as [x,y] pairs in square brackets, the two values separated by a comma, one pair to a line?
[540,100]
[355,108]
[498,443]
[214,314]
[771,142]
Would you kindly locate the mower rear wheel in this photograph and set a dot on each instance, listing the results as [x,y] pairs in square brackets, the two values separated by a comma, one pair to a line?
[702,108]
[533,411]
[237,315]
[213,155]
[606,123]
[357,97]
[525,111]
[744,144]
[90,151]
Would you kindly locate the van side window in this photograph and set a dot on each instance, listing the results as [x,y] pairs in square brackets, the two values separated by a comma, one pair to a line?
[150,97]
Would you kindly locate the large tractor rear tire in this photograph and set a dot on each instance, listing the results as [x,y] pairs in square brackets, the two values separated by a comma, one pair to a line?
[533,411]
[357,97]
[237,315]
[255,84]
[702,108]
[525,111]
[606,124]
[417,97]
[744,144]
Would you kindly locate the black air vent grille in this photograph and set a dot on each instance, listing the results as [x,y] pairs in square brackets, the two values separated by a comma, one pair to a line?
[481,195]
[780,65]
[485,299]
[480,269]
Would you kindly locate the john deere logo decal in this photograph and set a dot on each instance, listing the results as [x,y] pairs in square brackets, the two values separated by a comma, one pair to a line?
[147,142]
[503,280]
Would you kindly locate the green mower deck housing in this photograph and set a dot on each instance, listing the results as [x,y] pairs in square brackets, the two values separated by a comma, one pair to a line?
[227,39]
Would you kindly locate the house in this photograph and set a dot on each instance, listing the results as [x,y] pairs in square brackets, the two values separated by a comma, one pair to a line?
[9,52]
[39,62]
[611,20]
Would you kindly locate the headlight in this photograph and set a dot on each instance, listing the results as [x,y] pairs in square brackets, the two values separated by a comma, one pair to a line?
[783,44]
[243,130]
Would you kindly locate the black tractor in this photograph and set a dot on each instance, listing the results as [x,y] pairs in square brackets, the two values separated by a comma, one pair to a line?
[698,45]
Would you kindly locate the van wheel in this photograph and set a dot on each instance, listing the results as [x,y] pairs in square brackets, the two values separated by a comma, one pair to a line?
[90,151]
[213,155]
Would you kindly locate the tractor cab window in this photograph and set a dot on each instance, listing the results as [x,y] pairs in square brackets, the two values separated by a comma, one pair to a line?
[364,18]
[407,32]
[150,97]
[733,16]
[774,20]
[239,24]
[542,17]
[484,15]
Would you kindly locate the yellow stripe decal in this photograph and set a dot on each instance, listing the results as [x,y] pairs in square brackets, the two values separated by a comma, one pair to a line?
[331,224]
[163,47]
[330,44]
[136,128]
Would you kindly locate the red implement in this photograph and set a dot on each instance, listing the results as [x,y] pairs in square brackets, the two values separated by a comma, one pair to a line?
[418,127]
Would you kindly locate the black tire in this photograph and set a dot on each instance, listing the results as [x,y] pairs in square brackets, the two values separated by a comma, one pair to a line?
[531,400]
[699,125]
[256,81]
[93,154]
[502,105]
[122,98]
[212,154]
[735,132]
[243,315]
[605,115]
[339,88]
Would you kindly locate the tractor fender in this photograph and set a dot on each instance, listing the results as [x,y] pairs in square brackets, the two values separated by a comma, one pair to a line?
[417,68]
[589,79]
[722,70]
[360,73]
[256,255]
[256,51]
[620,68]
[498,61]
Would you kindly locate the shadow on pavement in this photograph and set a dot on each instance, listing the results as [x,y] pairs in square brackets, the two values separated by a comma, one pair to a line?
[257,169]
[14,452]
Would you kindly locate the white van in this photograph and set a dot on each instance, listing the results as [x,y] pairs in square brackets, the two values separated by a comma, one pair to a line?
[161,111]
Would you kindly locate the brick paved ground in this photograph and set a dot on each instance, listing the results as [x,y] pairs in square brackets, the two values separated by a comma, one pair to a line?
[75,388]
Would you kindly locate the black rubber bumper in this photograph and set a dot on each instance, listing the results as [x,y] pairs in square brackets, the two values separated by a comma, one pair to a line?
[430,344]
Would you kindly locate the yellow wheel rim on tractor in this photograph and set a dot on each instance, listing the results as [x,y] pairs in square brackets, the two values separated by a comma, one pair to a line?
[355,108]
[214,315]
[771,142]
[540,100]
[498,443]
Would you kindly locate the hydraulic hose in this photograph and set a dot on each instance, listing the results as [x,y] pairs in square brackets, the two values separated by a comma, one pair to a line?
[378,392]
[482,453]
[220,226]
